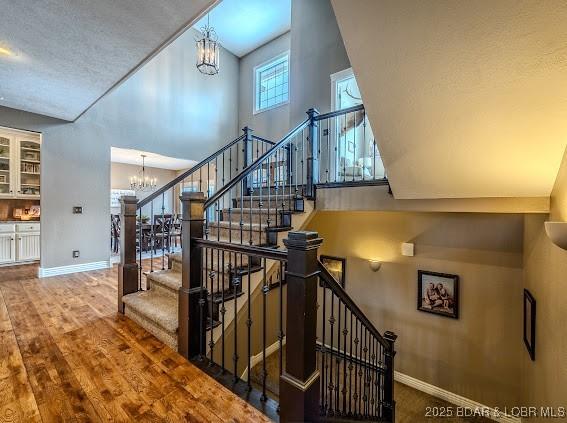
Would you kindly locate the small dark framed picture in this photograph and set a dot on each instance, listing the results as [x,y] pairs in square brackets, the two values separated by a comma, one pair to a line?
[438,293]
[336,267]
[529,323]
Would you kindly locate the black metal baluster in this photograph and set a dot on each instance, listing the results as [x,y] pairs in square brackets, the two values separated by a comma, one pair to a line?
[276,188]
[323,351]
[222,311]
[269,183]
[260,188]
[296,174]
[281,334]
[236,284]
[338,361]
[152,237]
[202,305]
[242,211]
[344,389]
[140,230]
[249,324]
[354,149]
[303,162]
[345,142]
[356,391]
[211,295]
[328,135]
[332,323]
[366,385]
[360,371]
[264,371]
[162,231]
[350,368]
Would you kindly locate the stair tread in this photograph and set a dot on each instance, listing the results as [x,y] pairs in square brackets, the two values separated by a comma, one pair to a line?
[160,309]
[168,278]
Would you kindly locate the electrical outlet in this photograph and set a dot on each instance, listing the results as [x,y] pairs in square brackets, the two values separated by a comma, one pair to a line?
[76,254]
[77,210]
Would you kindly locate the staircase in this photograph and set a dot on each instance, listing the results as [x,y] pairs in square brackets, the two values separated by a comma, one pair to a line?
[156,307]
[247,281]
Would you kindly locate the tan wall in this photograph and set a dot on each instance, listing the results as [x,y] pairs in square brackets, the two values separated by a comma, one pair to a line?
[477,356]
[545,379]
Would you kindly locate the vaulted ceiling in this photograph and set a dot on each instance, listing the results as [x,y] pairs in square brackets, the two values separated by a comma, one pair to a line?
[57,57]
[245,25]
[465,98]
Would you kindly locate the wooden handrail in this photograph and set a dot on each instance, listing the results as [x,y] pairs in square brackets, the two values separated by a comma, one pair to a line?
[252,250]
[247,171]
[339,291]
[264,140]
[187,173]
[339,112]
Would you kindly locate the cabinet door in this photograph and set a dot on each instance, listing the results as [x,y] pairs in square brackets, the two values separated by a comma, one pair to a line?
[29,168]
[7,163]
[27,247]
[7,248]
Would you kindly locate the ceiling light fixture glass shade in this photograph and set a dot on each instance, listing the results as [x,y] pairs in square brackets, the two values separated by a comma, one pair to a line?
[143,182]
[208,51]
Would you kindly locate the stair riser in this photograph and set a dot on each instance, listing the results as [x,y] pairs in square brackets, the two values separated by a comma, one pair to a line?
[280,191]
[155,285]
[166,337]
[272,203]
[248,217]
[229,258]
[238,237]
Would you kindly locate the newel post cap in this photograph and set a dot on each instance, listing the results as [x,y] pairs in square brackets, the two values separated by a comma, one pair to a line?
[302,240]
[192,196]
[129,199]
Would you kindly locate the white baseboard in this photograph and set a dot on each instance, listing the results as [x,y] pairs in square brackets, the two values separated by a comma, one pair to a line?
[453,398]
[75,268]
[255,359]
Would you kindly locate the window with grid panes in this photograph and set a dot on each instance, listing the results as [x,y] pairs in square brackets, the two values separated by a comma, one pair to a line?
[272,84]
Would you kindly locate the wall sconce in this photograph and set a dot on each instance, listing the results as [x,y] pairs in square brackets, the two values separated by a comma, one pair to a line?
[374,264]
[557,233]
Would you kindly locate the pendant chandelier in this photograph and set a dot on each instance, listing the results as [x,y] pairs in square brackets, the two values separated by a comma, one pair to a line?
[143,182]
[208,51]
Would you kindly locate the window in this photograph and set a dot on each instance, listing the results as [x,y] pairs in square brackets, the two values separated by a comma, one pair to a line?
[271,83]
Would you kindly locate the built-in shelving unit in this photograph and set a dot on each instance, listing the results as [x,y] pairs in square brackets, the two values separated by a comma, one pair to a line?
[20,165]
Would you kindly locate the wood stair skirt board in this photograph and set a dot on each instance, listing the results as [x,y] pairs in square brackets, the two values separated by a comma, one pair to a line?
[454,398]
[45,272]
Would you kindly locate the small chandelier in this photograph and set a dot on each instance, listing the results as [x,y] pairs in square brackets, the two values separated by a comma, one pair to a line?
[141,182]
[208,49]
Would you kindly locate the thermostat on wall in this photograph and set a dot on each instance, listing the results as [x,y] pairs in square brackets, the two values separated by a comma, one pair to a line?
[407,249]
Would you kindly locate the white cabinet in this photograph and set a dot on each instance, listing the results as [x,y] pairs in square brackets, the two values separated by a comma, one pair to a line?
[27,247]
[7,248]
[7,153]
[19,242]
[19,165]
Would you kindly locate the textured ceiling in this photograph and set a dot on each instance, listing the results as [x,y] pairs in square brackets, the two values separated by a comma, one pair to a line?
[466,98]
[68,53]
[245,25]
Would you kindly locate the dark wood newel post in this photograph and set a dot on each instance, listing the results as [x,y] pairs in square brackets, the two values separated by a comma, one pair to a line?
[248,154]
[128,268]
[191,333]
[312,153]
[299,383]
[389,407]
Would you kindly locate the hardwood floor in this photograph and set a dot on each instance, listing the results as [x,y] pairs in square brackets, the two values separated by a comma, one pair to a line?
[66,355]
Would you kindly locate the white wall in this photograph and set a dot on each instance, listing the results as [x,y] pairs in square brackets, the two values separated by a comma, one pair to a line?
[271,124]
[317,51]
